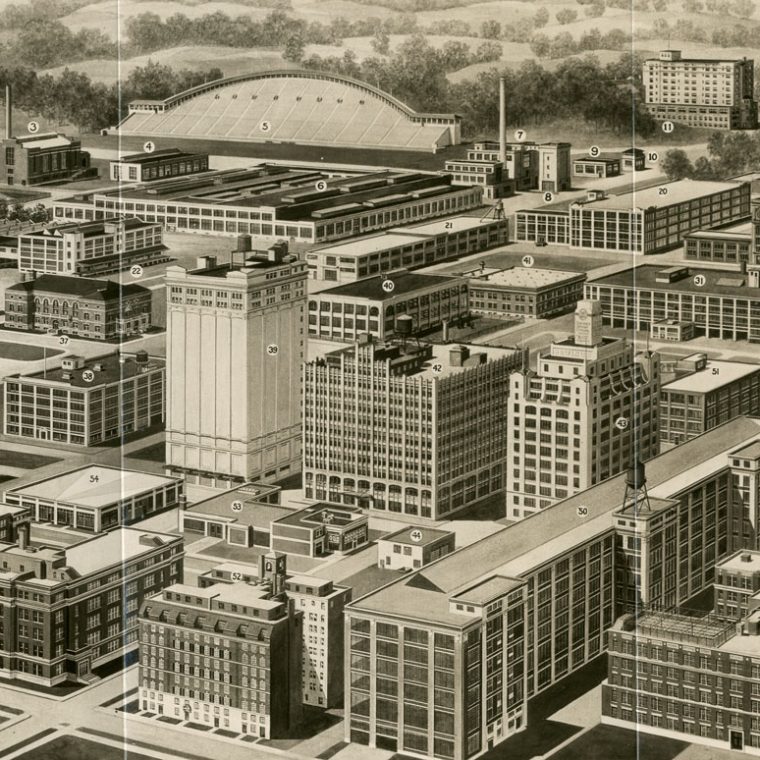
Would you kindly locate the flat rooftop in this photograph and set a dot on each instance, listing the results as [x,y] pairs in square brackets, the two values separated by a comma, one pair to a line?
[94,486]
[118,546]
[750,451]
[602,158]
[678,192]
[417,535]
[156,155]
[371,244]
[254,513]
[677,627]
[522,277]
[485,591]
[321,514]
[717,281]
[737,231]
[111,370]
[737,563]
[447,225]
[404,283]
[524,546]
[715,375]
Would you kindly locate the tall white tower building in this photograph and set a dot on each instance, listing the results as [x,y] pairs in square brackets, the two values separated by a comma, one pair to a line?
[235,344]
[583,415]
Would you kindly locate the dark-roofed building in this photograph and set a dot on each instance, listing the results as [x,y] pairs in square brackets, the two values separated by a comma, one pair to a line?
[532,602]
[68,611]
[87,308]
[374,304]
[718,303]
[275,202]
[413,547]
[160,164]
[599,167]
[91,247]
[113,396]
[37,159]
[634,159]
[321,529]
[227,656]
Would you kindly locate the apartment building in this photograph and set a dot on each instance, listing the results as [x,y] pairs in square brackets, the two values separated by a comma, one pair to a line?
[700,92]
[226,656]
[322,640]
[374,304]
[441,663]
[714,303]
[407,428]
[97,498]
[78,306]
[706,393]
[91,248]
[86,402]
[581,416]
[236,418]
[68,611]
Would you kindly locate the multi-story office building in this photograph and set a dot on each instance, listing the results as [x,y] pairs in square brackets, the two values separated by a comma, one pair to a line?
[322,640]
[651,220]
[587,410]
[700,92]
[226,656]
[407,247]
[530,165]
[98,309]
[440,663]
[709,394]
[731,244]
[160,164]
[523,291]
[11,520]
[372,305]
[236,417]
[91,248]
[737,581]
[37,159]
[715,303]
[96,498]
[408,428]
[68,611]
[86,402]
[490,175]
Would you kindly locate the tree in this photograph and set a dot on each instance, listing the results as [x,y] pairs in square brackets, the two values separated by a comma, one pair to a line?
[566,16]
[381,42]
[490,29]
[742,8]
[294,48]
[541,18]
[676,164]
[455,55]
[594,10]
[488,51]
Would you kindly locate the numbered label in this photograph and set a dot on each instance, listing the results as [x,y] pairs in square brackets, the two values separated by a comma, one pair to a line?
[621,423]
[548,197]
[265,126]
[273,349]
[136,271]
[88,375]
[149,147]
[321,186]
[388,286]
[667,127]
[716,370]
[33,127]
[594,151]
[94,478]
[662,190]
[521,135]
[581,511]
[653,157]
[416,536]
[236,506]
[63,340]
[448,225]
[527,261]
[237,576]
[437,368]
[700,280]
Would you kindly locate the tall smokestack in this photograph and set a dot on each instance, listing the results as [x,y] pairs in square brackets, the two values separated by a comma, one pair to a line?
[502,120]
[8,111]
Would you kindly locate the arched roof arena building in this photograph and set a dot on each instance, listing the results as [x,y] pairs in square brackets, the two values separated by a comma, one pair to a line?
[293,106]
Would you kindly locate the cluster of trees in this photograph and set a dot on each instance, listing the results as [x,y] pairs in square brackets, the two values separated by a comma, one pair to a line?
[737,35]
[50,43]
[728,154]
[738,8]
[17,212]
[564,44]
